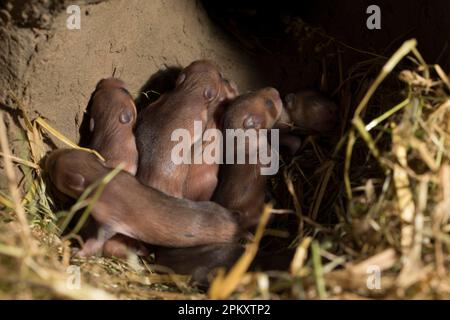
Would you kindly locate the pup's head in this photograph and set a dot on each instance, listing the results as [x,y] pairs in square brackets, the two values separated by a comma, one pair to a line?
[112,108]
[71,171]
[254,110]
[205,78]
[311,110]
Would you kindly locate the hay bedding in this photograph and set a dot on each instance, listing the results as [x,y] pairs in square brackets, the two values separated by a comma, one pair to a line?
[374,200]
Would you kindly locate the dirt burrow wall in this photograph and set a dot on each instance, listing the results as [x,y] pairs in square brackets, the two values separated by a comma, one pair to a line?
[54,69]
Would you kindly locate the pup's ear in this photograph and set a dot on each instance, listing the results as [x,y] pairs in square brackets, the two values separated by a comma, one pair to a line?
[231,89]
[252,122]
[180,79]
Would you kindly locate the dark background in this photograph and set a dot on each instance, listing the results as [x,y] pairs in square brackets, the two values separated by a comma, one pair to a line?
[261,28]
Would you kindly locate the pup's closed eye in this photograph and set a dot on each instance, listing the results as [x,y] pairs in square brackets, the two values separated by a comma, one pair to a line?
[269,103]
[125,117]
[210,93]
[75,181]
